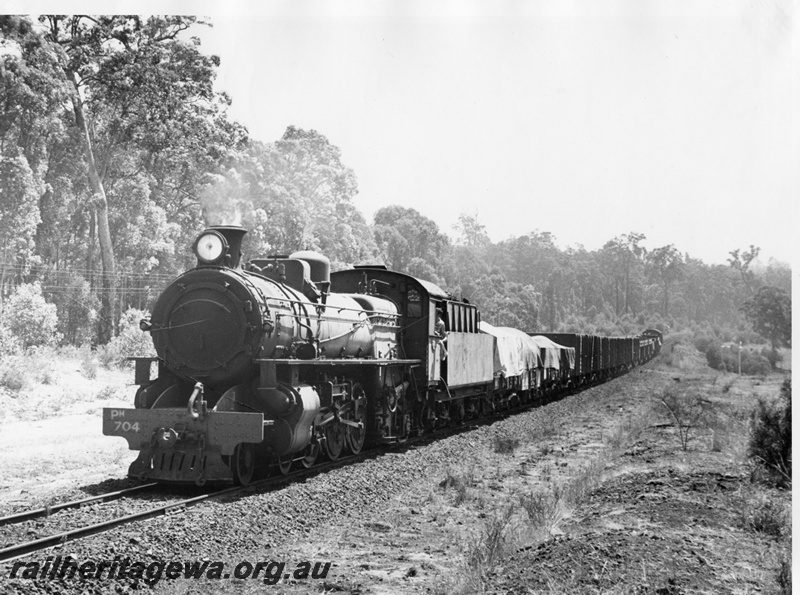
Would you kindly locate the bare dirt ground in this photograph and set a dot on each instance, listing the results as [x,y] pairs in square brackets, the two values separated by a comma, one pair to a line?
[604,502]
[591,494]
[51,437]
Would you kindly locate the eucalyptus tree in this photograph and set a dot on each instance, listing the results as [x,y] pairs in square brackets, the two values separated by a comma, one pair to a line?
[405,236]
[471,232]
[666,267]
[142,102]
[740,261]
[769,310]
[30,97]
[296,193]
[624,263]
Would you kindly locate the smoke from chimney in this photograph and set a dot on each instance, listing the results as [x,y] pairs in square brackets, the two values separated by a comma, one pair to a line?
[222,199]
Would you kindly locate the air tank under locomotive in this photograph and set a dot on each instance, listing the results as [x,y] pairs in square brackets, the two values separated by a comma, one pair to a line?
[232,386]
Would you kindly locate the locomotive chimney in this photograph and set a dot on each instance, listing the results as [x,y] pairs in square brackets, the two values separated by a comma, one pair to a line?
[234,235]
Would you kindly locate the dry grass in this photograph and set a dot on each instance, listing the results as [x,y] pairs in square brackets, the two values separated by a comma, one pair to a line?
[709,413]
[488,526]
[490,544]
[459,482]
[761,513]
[528,517]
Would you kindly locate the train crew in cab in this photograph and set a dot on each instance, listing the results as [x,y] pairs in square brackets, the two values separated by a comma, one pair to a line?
[441,332]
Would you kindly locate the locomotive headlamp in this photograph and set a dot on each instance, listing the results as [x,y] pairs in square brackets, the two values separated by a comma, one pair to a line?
[210,247]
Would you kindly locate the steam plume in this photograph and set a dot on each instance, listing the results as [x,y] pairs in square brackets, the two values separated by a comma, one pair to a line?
[222,200]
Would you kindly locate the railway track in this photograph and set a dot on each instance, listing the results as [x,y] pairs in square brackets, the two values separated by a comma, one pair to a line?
[24,548]
[37,513]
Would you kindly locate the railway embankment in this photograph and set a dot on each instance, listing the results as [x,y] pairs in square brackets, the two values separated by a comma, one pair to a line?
[594,493]
[598,493]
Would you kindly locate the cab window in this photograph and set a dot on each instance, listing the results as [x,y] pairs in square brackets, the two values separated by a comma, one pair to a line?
[413,304]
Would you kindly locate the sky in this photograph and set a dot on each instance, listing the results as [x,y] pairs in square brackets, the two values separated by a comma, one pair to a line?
[585,119]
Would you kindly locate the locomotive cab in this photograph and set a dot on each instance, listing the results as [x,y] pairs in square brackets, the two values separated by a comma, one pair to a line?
[456,369]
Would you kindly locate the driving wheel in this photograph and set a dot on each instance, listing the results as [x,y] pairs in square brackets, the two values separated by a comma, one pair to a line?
[334,439]
[356,436]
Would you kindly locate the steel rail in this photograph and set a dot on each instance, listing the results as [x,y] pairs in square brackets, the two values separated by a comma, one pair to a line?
[48,510]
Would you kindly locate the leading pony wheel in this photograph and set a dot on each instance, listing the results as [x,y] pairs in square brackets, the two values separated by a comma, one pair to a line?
[243,463]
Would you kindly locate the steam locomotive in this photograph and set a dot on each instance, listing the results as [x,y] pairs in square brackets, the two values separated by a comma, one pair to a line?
[278,361]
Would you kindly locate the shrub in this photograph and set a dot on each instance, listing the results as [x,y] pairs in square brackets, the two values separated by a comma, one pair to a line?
[727,360]
[9,342]
[505,444]
[541,507]
[765,515]
[131,341]
[703,342]
[684,337]
[29,318]
[89,365]
[688,409]
[77,306]
[771,435]
[460,484]
[784,577]
[714,356]
[769,517]
[725,335]
[750,337]
[11,375]
[754,364]
[773,356]
[483,552]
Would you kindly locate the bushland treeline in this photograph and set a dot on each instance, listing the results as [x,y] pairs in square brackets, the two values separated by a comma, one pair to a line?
[115,151]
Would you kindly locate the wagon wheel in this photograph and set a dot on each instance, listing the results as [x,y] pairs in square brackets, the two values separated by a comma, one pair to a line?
[426,418]
[243,463]
[356,436]
[285,464]
[334,439]
[458,413]
[310,455]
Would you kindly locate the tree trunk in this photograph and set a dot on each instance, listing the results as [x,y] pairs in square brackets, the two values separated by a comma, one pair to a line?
[627,290]
[90,253]
[108,283]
